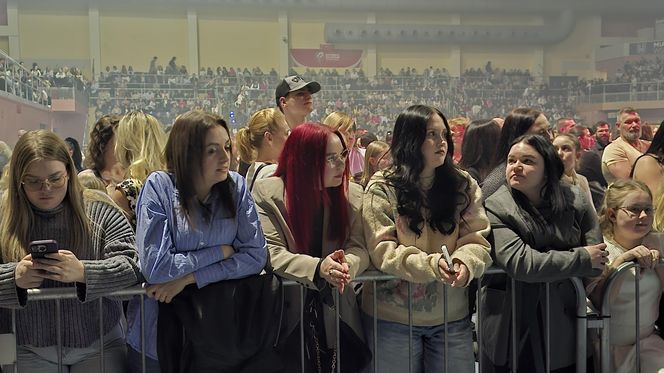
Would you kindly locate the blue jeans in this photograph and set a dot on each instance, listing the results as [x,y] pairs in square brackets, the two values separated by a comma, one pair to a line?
[428,347]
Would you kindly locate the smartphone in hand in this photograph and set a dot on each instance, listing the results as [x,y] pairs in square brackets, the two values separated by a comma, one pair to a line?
[40,248]
[448,259]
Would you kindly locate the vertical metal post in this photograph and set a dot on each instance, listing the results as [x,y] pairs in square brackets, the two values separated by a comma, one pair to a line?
[337,304]
[143,364]
[302,327]
[410,327]
[58,330]
[101,334]
[478,326]
[637,275]
[547,342]
[445,321]
[515,345]
[375,329]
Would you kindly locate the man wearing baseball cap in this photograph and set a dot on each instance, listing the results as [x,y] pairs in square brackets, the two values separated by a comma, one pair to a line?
[294,99]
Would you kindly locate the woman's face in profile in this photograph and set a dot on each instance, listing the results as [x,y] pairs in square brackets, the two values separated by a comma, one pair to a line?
[525,169]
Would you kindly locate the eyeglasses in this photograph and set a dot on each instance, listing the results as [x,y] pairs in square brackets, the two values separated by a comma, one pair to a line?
[35,184]
[633,211]
[335,160]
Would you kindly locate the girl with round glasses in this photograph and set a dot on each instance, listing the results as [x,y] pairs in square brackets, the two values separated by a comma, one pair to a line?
[626,219]
[97,255]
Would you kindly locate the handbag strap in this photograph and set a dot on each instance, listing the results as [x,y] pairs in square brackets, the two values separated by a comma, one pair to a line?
[258,170]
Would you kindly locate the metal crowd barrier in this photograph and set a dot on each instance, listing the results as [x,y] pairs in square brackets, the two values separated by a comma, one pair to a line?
[58,294]
[605,316]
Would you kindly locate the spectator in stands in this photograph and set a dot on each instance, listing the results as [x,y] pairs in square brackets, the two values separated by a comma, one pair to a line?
[196,224]
[5,157]
[100,158]
[153,66]
[602,135]
[520,121]
[478,148]
[315,237]
[342,122]
[75,153]
[367,139]
[376,158]
[569,150]
[260,143]
[649,167]
[619,156]
[458,127]
[422,202]
[590,164]
[543,231]
[96,255]
[564,125]
[139,148]
[626,218]
[295,100]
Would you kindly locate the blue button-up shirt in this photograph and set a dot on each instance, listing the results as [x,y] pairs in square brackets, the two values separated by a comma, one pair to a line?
[170,248]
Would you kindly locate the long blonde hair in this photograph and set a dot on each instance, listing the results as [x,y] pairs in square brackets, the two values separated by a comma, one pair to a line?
[658,221]
[250,137]
[139,145]
[17,212]
[614,198]
[374,150]
[342,122]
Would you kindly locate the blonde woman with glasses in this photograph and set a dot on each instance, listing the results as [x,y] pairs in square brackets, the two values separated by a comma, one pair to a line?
[626,219]
[96,254]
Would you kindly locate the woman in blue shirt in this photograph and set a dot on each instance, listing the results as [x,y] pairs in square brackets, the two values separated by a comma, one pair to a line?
[218,235]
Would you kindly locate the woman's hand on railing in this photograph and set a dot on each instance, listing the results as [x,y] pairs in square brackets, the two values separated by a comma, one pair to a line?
[646,258]
[62,266]
[457,276]
[167,291]
[598,255]
[25,275]
[334,269]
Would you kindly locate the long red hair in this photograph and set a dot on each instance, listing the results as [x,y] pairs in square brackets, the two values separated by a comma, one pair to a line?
[302,168]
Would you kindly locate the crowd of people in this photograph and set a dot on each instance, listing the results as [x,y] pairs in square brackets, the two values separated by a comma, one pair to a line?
[196,210]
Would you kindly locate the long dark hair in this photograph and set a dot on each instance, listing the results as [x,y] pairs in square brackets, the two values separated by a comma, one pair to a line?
[657,144]
[479,146]
[184,157]
[553,193]
[76,156]
[517,123]
[407,164]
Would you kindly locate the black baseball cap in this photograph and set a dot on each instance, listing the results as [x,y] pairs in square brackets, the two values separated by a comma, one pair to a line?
[293,83]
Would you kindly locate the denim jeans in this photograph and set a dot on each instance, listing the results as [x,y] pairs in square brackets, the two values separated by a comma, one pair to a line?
[75,360]
[428,354]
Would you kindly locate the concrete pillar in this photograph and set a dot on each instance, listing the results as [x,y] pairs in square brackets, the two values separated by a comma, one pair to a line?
[372,58]
[12,24]
[192,38]
[455,53]
[95,39]
[284,44]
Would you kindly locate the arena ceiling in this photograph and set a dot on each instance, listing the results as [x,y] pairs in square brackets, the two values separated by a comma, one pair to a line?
[652,7]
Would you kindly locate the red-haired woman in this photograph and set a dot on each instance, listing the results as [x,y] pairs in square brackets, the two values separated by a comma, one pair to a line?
[311,220]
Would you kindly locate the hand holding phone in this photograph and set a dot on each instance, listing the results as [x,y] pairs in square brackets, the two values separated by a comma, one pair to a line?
[40,248]
[448,259]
